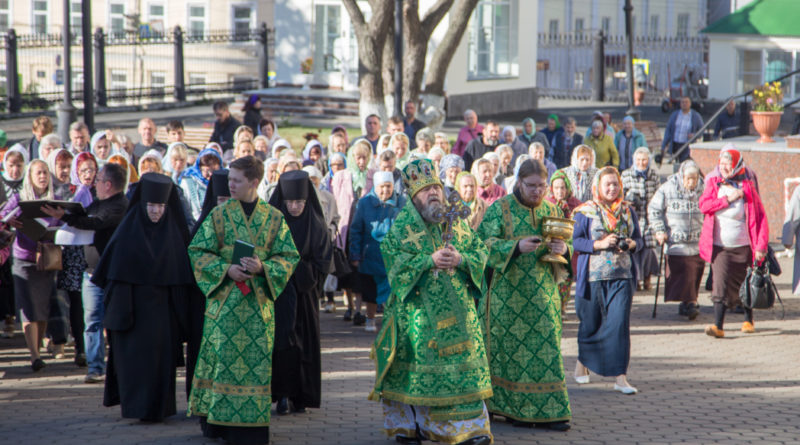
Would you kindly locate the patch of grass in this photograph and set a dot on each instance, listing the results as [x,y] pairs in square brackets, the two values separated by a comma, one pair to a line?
[295,134]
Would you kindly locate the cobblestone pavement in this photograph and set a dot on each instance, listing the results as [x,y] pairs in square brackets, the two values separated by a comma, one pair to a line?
[693,389]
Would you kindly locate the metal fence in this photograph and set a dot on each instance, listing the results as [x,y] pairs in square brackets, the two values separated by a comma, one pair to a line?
[133,68]
[565,63]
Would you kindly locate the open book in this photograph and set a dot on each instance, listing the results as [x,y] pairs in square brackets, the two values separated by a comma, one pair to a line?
[33,209]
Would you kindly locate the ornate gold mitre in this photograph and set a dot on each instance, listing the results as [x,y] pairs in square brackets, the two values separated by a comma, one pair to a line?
[419,174]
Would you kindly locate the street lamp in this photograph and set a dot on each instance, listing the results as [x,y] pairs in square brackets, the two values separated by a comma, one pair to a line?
[66,111]
[632,111]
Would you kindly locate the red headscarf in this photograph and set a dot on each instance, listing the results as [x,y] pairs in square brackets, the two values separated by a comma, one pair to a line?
[736,158]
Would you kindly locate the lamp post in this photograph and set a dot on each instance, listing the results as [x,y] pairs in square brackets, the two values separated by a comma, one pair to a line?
[632,111]
[66,111]
[88,84]
[398,57]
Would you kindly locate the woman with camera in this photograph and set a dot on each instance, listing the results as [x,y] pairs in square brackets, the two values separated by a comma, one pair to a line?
[606,234]
[735,234]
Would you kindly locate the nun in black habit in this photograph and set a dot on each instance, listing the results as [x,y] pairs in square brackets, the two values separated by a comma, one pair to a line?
[216,193]
[296,369]
[146,275]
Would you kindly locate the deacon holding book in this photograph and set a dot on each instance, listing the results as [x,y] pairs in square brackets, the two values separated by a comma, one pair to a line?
[231,388]
[296,365]
[432,375]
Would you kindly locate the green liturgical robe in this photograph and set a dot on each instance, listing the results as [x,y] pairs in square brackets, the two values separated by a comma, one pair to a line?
[430,350]
[232,379]
[521,316]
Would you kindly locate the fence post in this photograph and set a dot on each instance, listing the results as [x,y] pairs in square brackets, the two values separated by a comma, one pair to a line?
[12,79]
[263,57]
[100,70]
[180,83]
[598,70]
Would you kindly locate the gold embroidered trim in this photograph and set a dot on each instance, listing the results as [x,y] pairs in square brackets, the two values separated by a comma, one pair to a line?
[437,401]
[468,366]
[530,419]
[456,415]
[405,432]
[457,348]
[459,437]
[446,323]
[228,389]
[529,388]
[432,344]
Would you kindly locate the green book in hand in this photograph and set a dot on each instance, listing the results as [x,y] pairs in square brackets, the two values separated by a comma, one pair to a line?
[241,250]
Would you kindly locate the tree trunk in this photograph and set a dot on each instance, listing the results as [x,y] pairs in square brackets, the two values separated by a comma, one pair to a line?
[460,14]
[388,67]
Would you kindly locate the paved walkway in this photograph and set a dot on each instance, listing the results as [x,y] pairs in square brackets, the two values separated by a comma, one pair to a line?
[694,389]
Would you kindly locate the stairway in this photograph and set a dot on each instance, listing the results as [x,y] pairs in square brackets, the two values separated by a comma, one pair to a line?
[283,101]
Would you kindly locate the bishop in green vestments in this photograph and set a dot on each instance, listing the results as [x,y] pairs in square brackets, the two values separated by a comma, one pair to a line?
[432,374]
[231,387]
[521,315]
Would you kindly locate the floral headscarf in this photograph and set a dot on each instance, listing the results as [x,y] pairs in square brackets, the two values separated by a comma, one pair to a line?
[616,217]
[570,202]
[738,172]
[448,161]
[195,172]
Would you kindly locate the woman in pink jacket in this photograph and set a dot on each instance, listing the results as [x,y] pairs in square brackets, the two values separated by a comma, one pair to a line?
[735,234]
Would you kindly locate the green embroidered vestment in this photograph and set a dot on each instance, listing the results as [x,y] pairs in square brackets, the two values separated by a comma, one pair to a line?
[430,350]
[521,317]
[232,379]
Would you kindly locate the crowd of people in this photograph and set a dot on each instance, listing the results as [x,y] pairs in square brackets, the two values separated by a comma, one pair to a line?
[234,248]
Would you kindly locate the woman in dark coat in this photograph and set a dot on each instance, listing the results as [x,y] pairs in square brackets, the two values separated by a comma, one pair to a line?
[252,112]
[296,363]
[146,275]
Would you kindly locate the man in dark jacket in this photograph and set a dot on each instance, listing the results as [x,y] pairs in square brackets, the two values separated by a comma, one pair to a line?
[102,216]
[224,126]
[727,125]
[485,142]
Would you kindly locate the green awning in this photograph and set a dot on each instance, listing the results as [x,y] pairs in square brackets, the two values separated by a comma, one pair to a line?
[761,17]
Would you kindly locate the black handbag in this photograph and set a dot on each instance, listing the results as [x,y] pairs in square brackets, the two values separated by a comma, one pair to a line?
[341,267]
[757,290]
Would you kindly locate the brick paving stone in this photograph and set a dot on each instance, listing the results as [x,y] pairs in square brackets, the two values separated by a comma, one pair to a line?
[693,389]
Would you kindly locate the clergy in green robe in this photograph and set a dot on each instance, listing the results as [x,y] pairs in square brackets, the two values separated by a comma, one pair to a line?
[521,315]
[231,387]
[432,373]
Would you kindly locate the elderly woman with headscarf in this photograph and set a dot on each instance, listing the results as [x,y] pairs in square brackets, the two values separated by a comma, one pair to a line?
[676,219]
[561,195]
[530,135]
[639,184]
[603,144]
[151,162]
[449,168]
[296,364]
[735,234]
[508,135]
[100,147]
[606,234]
[467,187]
[581,172]
[554,133]
[627,140]
[435,154]
[194,180]
[279,146]
[511,181]
[374,216]
[314,155]
[505,154]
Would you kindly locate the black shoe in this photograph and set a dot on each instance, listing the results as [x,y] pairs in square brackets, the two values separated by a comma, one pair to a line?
[521,424]
[359,319]
[682,309]
[37,365]
[554,426]
[299,410]
[348,315]
[477,440]
[407,440]
[283,406]
[80,360]
[692,311]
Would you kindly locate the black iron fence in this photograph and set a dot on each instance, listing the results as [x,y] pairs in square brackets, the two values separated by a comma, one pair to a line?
[133,68]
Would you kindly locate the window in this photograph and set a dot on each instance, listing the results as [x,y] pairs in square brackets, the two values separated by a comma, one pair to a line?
[758,66]
[492,49]
[243,16]
[5,15]
[553,27]
[119,83]
[77,82]
[158,80]
[75,19]
[578,82]
[40,16]
[606,25]
[196,83]
[578,26]
[156,18]
[116,19]
[327,32]
[197,20]
[683,25]
[654,26]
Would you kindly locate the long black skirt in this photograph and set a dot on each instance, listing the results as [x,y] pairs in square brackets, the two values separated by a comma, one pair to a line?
[143,338]
[235,435]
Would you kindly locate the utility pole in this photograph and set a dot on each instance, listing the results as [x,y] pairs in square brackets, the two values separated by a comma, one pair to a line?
[632,111]
[398,57]
[66,112]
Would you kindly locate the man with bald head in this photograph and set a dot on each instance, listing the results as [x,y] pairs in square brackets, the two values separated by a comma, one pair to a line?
[147,132]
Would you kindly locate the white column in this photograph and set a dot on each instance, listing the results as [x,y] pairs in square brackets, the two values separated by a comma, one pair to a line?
[670,30]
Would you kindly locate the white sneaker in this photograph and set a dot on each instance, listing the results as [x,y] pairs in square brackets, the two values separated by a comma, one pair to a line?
[627,390]
[581,379]
[330,308]
[370,326]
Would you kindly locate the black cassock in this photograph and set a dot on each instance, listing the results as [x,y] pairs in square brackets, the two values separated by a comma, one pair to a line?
[146,276]
[296,361]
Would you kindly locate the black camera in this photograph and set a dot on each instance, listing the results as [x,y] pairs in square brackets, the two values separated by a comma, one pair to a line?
[622,244]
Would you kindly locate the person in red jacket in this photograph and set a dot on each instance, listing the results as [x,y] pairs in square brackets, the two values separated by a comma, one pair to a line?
[735,234]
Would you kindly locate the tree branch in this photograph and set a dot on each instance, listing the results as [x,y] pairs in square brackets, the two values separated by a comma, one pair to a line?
[356,16]
[434,15]
[437,70]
